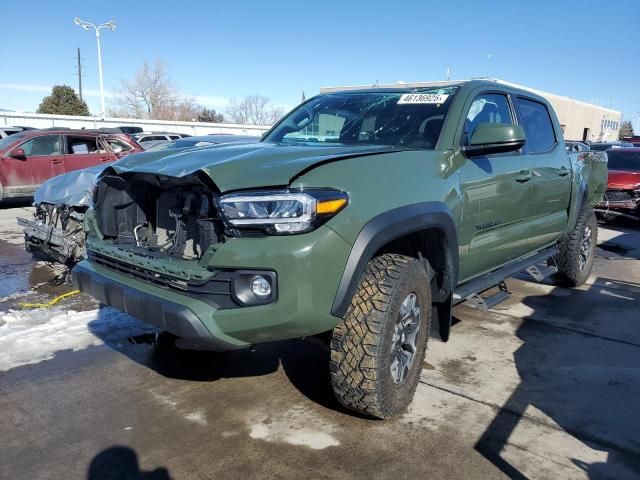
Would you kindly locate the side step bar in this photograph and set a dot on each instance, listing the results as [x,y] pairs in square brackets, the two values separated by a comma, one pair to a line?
[476,300]
[471,290]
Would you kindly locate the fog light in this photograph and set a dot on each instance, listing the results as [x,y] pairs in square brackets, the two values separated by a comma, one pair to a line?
[260,287]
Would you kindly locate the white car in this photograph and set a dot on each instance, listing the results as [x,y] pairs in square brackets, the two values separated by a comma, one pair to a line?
[148,139]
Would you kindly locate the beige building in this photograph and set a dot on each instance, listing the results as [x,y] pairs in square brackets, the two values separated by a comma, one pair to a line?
[579,120]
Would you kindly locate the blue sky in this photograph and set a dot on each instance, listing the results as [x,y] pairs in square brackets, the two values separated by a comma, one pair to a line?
[216,50]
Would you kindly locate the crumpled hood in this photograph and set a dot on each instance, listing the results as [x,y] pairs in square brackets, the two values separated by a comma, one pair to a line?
[73,188]
[235,167]
[623,179]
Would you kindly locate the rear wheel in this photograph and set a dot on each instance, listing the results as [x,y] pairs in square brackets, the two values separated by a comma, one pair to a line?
[577,250]
[378,350]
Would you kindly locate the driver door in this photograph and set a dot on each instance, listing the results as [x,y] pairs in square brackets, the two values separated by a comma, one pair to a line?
[42,161]
[496,194]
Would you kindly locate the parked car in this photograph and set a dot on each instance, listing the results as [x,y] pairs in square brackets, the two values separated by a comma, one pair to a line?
[130,130]
[363,214]
[149,139]
[573,146]
[622,197]
[603,146]
[55,230]
[29,158]
[7,131]
[202,141]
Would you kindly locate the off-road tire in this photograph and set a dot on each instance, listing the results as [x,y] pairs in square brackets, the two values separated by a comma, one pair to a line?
[568,259]
[361,345]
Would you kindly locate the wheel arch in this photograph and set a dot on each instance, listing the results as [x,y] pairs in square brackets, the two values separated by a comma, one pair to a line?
[580,199]
[423,230]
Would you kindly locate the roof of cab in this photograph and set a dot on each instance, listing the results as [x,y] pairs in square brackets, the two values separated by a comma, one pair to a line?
[422,86]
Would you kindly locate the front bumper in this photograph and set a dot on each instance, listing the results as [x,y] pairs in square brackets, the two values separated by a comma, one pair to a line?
[59,245]
[308,269]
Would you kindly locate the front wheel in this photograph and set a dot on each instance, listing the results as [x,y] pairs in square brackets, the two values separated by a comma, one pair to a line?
[577,250]
[378,350]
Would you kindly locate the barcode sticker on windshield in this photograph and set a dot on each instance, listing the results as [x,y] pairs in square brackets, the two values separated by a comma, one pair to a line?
[422,98]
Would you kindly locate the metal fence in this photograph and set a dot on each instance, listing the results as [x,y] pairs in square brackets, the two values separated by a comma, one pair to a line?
[39,120]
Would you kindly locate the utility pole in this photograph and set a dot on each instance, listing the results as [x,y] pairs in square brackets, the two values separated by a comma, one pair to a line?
[79,76]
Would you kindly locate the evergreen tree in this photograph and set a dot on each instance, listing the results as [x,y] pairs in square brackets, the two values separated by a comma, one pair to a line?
[63,101]
[626,130]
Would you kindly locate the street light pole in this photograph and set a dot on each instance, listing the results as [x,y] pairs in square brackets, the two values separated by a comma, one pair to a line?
[111,25]
[102,110]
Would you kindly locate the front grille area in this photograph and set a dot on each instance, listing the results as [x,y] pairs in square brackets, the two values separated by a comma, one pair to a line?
[619,195]
[216,291]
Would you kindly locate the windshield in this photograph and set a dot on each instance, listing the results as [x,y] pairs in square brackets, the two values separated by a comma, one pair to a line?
[10,140]
[411,120]
[622,159]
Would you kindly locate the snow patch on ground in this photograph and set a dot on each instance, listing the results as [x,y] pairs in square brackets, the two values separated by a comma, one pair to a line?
[198,417]
[32,336]
[296,426]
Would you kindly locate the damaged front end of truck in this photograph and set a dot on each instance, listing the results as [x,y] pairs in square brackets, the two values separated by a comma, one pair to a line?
[160,230]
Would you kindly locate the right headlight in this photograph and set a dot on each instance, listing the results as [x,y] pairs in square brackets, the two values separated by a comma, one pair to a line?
[282,212]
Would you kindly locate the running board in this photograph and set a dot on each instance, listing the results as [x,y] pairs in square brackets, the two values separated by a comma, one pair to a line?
[476,300]
[491,279]
[539,274]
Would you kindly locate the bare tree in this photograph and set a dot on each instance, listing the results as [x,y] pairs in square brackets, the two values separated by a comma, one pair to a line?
[254,110]
[151,94]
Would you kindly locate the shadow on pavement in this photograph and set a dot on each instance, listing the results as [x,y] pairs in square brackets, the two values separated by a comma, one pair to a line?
[7,204]
[625,245]
[121,463]
[586,384]
[304,362]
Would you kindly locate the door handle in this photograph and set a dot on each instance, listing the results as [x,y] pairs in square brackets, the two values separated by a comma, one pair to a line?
[56,161]
[105,159]
[564,171]
[523,177]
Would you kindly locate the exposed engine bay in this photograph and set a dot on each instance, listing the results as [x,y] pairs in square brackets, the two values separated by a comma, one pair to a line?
[56,233]
[165,215]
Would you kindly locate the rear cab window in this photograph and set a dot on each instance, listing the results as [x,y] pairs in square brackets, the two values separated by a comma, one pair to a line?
[537,125]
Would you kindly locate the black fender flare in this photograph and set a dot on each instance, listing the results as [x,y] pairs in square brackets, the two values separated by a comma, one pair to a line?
[581,201]
[390,226]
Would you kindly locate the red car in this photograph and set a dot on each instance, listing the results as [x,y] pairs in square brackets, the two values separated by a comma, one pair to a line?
[29,158]
[623,188]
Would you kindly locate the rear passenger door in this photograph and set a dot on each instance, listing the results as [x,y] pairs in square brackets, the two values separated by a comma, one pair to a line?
[82,151]
[551,173]
[496,193]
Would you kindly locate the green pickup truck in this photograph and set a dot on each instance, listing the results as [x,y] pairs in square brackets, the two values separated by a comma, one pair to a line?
[367,214]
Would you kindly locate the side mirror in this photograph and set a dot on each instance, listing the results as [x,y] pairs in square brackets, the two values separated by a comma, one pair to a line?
[18,153]
[491,138]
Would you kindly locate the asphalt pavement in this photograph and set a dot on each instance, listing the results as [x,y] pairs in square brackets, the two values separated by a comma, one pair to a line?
[544,386]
